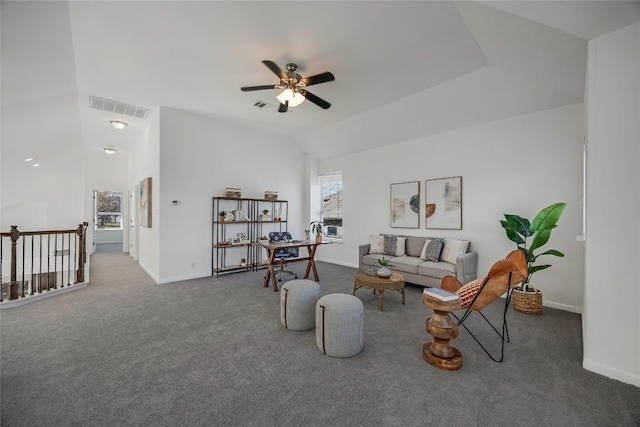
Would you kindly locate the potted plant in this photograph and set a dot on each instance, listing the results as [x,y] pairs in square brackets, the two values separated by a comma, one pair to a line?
[222,214]
[316,228]
[526,298]
[265,211]
[384,271]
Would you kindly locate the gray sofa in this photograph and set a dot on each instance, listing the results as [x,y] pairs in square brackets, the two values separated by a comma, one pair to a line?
[418,271]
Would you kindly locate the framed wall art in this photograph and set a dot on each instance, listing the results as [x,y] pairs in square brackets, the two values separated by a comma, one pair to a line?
[145,202]
[443,207]
[405,205]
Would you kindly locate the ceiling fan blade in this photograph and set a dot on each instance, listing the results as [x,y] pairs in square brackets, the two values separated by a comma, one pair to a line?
[316,100]
[276,70]
[250,88]
[284,107]
[319,78]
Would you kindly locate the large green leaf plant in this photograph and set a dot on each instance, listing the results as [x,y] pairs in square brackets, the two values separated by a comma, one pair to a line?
[519,229]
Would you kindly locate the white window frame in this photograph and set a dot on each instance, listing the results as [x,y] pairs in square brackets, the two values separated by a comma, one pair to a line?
[331,183]
[121,213]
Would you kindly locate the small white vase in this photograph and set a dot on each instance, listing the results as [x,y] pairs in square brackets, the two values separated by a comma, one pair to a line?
[383,272]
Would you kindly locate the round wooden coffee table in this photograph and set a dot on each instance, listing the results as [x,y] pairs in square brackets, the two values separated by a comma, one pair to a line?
[394,282]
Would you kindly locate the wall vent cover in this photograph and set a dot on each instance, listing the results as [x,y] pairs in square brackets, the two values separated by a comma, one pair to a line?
[118,107]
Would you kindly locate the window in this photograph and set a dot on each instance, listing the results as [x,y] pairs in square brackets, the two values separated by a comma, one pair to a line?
[108,210]
[331,213]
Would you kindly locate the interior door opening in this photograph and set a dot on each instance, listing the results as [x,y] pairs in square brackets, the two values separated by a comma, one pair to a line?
[108,221]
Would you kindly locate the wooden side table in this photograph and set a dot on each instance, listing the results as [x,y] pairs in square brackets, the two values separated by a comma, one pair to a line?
[440,353]
[379,284]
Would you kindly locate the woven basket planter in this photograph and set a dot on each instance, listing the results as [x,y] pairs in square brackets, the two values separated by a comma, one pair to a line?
[527,302]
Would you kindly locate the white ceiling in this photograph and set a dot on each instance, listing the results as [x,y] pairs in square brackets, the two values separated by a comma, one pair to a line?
[403,69]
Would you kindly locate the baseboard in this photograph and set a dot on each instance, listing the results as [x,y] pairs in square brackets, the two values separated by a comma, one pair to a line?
[344,264]
[564,307]
[146,270]
[45,295]
[181,278]
[609,372]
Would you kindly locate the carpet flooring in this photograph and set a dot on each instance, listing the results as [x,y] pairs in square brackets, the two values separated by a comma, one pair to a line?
[212,352]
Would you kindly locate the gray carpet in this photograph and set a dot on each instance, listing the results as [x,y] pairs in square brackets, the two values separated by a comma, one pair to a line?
[212,352]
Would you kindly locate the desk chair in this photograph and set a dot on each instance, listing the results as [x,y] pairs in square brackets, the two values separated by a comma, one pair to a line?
[476,295]
[283,254]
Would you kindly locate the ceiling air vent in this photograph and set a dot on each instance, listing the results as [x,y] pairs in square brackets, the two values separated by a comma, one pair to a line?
[262,104]
[118,107]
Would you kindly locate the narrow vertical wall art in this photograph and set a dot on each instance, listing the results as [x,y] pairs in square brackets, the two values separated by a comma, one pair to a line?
[145,202]
[405,205]
[443,207]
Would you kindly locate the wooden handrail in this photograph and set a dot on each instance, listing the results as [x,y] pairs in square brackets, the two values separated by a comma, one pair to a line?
[80,250]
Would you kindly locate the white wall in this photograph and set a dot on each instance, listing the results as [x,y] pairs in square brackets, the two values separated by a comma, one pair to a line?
[39,106]
[518,165]
[199,157]
[611,322]
[144,162]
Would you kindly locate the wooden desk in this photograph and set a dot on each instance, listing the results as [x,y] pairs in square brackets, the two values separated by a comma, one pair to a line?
[272,248]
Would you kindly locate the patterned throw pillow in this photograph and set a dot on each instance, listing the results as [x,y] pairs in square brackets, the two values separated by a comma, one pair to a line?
[394,246]
[453,248]
[468,292]
[376,244]
[431,250]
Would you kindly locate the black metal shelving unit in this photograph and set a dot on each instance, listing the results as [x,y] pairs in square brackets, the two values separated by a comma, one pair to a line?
[249,210]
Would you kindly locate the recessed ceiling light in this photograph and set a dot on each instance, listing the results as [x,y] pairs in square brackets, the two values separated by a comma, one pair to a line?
[110,150]
[29,159]
[118,124]
[37,164]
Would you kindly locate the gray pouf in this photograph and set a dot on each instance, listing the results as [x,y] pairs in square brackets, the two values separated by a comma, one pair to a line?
[340,325]
[298,300]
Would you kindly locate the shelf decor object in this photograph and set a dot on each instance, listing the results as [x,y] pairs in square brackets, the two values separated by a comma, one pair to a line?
[233,192]
[271,195]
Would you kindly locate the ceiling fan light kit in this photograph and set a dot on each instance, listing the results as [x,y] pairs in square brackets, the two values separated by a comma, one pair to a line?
[293,85]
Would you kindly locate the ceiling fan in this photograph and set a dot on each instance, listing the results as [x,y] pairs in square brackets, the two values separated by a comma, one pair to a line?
[294,86]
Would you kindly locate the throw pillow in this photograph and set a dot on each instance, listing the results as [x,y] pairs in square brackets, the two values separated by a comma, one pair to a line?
[453,248]
[376,244]
[414,246]
[431,250]
[468,292]
[394,246]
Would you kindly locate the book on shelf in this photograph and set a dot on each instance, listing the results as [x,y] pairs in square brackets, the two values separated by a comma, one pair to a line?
[441,294]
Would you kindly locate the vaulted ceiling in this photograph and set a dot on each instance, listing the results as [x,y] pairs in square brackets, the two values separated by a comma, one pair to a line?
[403,69]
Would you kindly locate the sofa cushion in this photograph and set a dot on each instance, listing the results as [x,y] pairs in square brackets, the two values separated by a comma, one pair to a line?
[436,269]
[394,246]
[372,259]
[376,244]
[431,249]
[414,245]
[408,264]
[452,249]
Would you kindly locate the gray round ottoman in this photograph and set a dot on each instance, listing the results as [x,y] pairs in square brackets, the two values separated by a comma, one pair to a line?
[298,300]
[339,325]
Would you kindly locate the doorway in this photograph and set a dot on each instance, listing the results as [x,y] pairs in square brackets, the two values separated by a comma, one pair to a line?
[108,221]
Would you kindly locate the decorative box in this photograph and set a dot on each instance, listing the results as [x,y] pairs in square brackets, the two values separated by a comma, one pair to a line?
[232,192]
[271,195]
